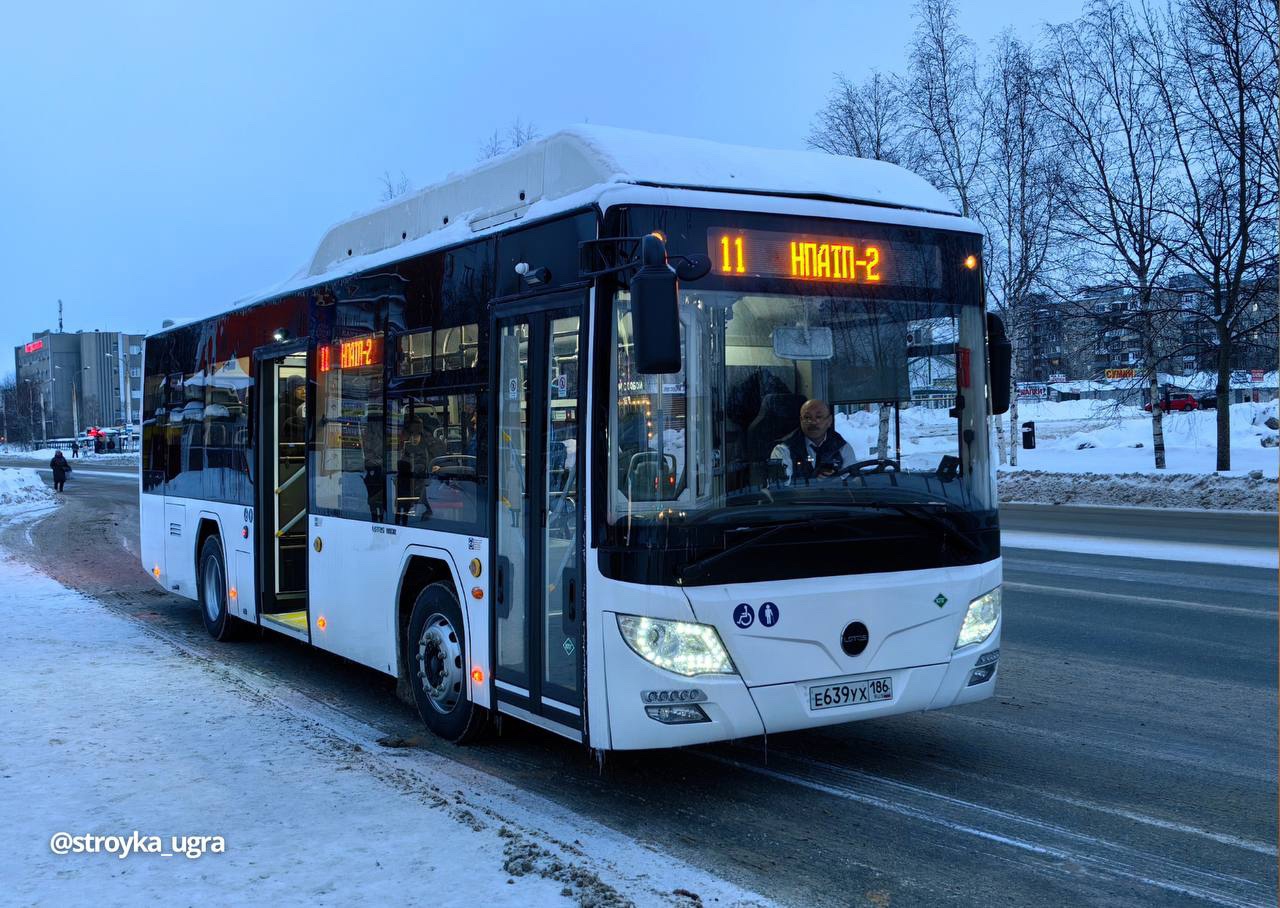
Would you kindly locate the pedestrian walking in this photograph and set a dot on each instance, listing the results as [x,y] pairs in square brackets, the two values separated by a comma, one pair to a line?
[75,449]
[60,469]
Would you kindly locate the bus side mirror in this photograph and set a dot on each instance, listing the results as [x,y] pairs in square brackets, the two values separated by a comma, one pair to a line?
[655,313]
[1001,358]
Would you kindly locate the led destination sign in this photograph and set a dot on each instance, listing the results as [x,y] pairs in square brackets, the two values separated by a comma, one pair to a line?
[352,354]
[808,257]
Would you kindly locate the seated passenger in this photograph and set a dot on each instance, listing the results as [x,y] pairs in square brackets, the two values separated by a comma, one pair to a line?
[815,449]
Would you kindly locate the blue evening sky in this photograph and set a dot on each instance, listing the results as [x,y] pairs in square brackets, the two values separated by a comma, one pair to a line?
[161,159]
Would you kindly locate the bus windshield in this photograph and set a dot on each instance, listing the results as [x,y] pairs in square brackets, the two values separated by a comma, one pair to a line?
[863,409]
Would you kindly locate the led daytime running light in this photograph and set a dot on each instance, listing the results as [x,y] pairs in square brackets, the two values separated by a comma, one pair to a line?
[677,646]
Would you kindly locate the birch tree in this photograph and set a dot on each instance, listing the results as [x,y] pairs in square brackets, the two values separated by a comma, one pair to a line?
[1114,140]
[947,103]
[1214,64]
[1021,188]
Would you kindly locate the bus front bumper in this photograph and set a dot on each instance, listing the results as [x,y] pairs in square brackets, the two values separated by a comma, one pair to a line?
[637,691]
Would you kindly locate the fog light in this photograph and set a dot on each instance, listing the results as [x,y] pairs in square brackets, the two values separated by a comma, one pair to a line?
[981,673]
[988,658]
[677,714]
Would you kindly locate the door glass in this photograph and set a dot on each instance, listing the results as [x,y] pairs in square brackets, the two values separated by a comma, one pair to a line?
[290,479]
[513,498]
[561,586]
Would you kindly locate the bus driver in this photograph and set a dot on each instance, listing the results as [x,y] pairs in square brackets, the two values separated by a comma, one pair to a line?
[815,449]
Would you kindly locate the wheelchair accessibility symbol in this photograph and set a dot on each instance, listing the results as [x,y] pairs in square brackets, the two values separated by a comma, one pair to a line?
[744,616]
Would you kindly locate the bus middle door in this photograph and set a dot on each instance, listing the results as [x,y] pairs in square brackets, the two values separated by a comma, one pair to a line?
[537,589]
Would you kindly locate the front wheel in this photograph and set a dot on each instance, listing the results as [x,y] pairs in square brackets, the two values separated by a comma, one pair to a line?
[435,653]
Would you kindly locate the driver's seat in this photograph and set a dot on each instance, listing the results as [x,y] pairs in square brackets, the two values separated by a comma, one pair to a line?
[779,416]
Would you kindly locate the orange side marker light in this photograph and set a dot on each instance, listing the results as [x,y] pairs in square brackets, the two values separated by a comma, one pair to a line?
[477,593]
[322,622]
[477,675]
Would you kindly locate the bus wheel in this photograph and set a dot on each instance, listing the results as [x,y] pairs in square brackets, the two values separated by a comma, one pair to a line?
[212,577]
[435,654]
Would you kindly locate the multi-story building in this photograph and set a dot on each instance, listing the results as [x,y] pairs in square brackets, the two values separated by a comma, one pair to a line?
[1039,342]
[80,379]
[1103,328]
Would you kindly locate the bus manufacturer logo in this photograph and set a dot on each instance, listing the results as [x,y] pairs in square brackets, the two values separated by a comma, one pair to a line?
[854,638]
[940,600]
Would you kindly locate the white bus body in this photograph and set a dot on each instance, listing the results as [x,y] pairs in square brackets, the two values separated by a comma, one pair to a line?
[284,431]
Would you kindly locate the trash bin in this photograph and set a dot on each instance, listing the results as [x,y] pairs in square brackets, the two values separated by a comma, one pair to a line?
[1028,436]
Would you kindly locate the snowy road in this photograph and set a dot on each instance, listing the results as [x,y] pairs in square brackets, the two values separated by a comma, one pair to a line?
[1129,756]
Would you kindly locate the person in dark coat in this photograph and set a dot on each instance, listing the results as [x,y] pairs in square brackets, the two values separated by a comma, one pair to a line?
[815,449]
[75,449]
[60,469]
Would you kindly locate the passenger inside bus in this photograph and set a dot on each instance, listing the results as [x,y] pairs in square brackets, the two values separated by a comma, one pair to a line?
[412,470]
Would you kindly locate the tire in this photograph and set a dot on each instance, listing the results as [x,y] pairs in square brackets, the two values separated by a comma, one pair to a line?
[435,658]
[211,584]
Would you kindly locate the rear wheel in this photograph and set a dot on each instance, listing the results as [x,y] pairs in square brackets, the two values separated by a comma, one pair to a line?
[211,576]
[435,653]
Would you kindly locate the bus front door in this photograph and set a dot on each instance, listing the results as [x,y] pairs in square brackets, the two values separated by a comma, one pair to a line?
[537,467]
[282,493]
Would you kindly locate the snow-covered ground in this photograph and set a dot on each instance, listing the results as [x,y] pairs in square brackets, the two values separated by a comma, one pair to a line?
[1118,440]
[1095,452]
[108,728]
[11,453]
[1091,436]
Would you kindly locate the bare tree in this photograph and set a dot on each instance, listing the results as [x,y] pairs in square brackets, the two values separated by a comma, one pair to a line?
[393,188]
[517,134]
[492,147]
[947,102]
[1021,187]
[1113,139]
[1214,63]
[867,120]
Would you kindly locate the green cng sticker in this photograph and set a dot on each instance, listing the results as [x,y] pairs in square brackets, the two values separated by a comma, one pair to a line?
[940,601]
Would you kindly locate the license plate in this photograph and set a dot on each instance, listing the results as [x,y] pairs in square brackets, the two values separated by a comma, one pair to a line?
[850,693]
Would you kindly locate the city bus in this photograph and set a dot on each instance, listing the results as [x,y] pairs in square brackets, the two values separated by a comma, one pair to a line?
[614,435]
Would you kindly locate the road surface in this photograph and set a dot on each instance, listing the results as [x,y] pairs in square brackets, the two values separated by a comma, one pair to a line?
[1128,758]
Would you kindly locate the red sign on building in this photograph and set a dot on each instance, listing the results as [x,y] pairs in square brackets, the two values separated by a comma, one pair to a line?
[34,346]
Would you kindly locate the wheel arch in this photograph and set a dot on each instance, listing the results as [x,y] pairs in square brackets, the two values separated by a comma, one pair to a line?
[421,567]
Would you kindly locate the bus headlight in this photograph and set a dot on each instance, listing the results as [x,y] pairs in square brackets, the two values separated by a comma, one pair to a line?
[981,619]
[678,646]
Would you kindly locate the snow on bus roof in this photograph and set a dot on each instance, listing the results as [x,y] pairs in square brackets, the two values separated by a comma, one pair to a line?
[586,158]
[577,167]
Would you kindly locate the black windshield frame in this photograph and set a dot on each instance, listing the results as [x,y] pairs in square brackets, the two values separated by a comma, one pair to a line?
[648,551]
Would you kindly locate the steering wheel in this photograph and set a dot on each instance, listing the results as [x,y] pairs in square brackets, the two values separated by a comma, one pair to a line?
[874,465]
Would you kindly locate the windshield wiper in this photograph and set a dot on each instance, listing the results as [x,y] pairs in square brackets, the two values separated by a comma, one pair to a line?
[698,568]
[922,514]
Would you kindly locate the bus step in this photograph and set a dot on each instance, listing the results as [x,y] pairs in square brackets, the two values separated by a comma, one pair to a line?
[295,620]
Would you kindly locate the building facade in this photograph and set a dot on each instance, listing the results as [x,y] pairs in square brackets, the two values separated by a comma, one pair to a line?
[78,380]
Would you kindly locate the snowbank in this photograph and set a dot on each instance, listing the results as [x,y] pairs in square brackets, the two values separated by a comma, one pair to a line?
[1210,491]
[21,489]
[107,729]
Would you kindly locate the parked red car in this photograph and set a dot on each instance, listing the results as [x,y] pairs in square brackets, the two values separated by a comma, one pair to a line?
[1176,401]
